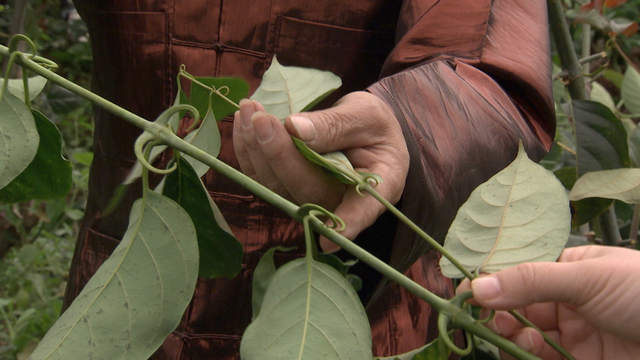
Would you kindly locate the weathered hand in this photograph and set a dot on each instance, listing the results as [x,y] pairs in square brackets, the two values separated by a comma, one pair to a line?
[587,302]
[360,125]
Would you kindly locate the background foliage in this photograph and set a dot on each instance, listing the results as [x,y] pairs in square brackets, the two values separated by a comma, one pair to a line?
[37,238]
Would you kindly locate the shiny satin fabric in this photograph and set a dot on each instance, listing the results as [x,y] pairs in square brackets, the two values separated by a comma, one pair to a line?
[466,79]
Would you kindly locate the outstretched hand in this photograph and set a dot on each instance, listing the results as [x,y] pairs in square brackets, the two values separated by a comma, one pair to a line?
[587,302]
[360,125]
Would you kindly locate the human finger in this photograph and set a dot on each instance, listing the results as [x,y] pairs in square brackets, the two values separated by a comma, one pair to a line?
[358,119]
[306,182]
[262,170]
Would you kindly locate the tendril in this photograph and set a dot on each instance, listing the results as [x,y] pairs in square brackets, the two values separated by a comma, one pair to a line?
[313,210]
[16,39]
[142,146]
[164,118]
[443,323]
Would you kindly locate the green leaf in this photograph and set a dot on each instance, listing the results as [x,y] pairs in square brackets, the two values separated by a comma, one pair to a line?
[16,87]
[614,76]
[19,138]
[600,136]
[262,276]
[601,95]
[238,89]
[48,176]
[519,215]
[584,210]
[630,90]
[634,146]
[431,351]
[336,164]
[138,296]
[287,90]
[342,267]
[206,138]
[619,184]
[220,252]
[309,312]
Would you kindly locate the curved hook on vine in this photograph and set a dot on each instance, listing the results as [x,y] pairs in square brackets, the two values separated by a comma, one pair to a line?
[444,320]
[144,143]
[166,115]
[313,210]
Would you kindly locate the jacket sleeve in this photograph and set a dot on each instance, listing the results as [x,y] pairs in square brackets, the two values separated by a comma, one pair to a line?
[467,80]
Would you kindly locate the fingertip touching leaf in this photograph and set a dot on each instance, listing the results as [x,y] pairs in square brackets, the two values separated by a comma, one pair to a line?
[519,215]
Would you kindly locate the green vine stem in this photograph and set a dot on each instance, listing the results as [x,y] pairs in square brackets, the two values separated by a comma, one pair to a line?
[460,318]
[369,189]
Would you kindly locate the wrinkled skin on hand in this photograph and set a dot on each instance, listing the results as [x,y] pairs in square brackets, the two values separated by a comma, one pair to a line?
[360,124]
[587,302]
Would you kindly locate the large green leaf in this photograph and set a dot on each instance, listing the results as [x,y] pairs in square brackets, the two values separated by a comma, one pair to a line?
[584,210]
[262,276]
[601,138]
[435,350]
[601,95]
[220,252]
[138,296]
[19,138]
[619,184]
[238,89]
[287,90]
[519,215]
[309,312]
[16,86]
[48,176]
[630,90]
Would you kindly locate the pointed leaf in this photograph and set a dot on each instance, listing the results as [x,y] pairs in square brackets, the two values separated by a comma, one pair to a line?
[600,136]
[584,210]
[601,95]
[206,138]
[238,89]
[309,312]
[334,163]
[630,90]
[619,184]
[138,296]
[19,138]
[287,90]
[220,252]
[519,215]
[16,87]
[262,276]
[48,176]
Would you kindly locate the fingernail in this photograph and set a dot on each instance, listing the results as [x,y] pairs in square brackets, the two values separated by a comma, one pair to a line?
[263,127]
[486,288]
[526,341]
[304,127]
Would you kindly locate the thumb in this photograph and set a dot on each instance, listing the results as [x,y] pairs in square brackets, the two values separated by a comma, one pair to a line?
[529,283]
[358,119]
